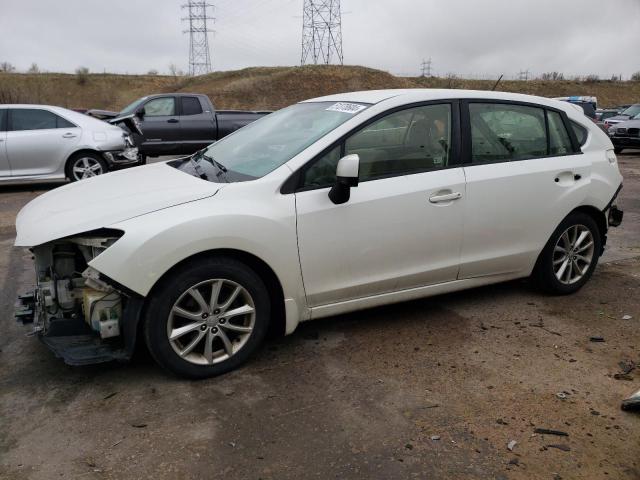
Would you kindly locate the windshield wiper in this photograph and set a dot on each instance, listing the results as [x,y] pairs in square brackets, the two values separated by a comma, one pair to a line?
[198,169]
[222,170]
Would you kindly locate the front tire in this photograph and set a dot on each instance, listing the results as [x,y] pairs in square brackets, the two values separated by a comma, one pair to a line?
[570,256]
[85,165]
[207,318]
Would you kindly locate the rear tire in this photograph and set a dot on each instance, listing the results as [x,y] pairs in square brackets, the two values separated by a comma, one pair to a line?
[570,256]
[207,318]
[85,165]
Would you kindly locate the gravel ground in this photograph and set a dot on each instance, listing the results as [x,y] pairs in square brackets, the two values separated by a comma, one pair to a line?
[435,388]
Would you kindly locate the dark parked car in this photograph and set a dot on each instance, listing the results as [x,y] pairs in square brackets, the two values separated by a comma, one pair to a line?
[181,123]
[625,115]
[625,134]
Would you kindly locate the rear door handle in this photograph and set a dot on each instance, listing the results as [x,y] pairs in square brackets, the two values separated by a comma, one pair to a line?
[173,120]
[69,135]
[449,197]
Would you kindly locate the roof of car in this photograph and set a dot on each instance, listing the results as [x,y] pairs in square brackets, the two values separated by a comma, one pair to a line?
[427,94]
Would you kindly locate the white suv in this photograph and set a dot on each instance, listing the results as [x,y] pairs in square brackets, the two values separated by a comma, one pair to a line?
[332,205]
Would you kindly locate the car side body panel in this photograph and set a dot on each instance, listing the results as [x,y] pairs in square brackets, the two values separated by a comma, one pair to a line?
[231,220]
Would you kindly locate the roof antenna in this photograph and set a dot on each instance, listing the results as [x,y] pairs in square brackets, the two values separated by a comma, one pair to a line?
[496,85]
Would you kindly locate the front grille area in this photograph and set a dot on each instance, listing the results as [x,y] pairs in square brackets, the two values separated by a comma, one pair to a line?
[634,132]
[621,131]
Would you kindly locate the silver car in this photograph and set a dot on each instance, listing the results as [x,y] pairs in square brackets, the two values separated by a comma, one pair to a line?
[43,143]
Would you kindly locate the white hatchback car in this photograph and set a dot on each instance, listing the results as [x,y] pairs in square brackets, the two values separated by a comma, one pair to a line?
[41,143]
[328,206]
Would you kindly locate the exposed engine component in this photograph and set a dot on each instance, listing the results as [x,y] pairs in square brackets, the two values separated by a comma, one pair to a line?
[68,289]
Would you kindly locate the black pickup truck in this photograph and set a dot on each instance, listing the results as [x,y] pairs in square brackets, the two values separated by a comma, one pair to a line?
[179,123]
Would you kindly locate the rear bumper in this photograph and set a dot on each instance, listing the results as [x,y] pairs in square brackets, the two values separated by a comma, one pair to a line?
[613,214]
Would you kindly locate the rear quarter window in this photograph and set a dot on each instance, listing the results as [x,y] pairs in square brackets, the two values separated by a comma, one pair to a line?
[581,133]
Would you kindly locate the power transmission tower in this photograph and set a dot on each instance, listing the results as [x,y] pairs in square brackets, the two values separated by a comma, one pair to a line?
[321,32]
[426,68]
[199,55]
[524,75]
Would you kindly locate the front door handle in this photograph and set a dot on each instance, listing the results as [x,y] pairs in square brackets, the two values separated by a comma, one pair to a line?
[449,197]
[173,120]
[69,135]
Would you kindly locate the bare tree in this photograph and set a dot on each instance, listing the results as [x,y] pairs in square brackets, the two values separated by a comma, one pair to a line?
[7,67]
[553,76]
[152,72]
[635,77]
[34,68]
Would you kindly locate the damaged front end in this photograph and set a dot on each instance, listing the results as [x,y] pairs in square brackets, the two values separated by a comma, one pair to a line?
[82,316]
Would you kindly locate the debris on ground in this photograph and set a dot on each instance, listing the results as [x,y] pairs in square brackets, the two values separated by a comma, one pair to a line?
[627,317]
[514,461]
[435,437]
[596,339]
[562,395]
[547,431]
[626,367]
[632,404]
[560,446]
[511,445]
[138,424]
[111,395]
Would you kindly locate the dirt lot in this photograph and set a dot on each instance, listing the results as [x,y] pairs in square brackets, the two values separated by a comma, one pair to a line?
[435,388]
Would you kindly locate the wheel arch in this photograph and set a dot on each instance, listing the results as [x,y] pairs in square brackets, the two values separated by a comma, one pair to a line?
[277,326]
[77,153]
[599,217]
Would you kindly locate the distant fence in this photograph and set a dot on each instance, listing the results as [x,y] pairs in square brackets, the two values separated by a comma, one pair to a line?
[525,76]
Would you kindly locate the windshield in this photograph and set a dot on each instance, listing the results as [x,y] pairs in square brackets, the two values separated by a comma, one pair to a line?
[263,146]
[632,111]
[132,107]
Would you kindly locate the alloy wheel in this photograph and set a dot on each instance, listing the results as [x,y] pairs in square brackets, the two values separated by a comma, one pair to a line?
[86,167]
[211,321]
[573,254]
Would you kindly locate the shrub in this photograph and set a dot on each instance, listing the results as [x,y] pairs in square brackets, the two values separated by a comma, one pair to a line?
[82,75]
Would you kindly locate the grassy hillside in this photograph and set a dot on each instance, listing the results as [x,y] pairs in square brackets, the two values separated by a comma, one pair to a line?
[269,88]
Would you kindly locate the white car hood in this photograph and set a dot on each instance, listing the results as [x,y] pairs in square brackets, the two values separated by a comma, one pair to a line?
[107,199]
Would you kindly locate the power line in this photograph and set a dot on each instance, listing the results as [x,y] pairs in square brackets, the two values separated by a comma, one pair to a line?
[321,32]
[199,54]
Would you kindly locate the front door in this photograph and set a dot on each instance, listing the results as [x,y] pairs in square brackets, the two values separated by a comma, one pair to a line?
[160,125]
[521,183]
[402,227]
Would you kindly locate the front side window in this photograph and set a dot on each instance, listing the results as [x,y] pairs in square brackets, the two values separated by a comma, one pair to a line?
[503,132]
[632,111]
[160,107]
[36,119]
[264,145]
[191,106]
[402,143]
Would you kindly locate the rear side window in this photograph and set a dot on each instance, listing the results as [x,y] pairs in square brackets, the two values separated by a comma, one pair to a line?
[581,133]
[35,119]
[191,106]
[559,140]
[3,119]
[504,132]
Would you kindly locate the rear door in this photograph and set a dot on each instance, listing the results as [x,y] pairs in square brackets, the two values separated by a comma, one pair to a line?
[524,174]
[5,169]
[38,142]
[196,122]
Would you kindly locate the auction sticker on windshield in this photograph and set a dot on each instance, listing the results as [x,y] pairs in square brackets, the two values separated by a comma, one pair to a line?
[346,107]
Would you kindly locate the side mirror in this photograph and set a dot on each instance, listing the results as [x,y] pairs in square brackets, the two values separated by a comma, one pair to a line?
[347,175]
[141,113]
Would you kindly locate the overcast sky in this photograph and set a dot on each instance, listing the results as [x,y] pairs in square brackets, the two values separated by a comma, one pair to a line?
[481,37]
